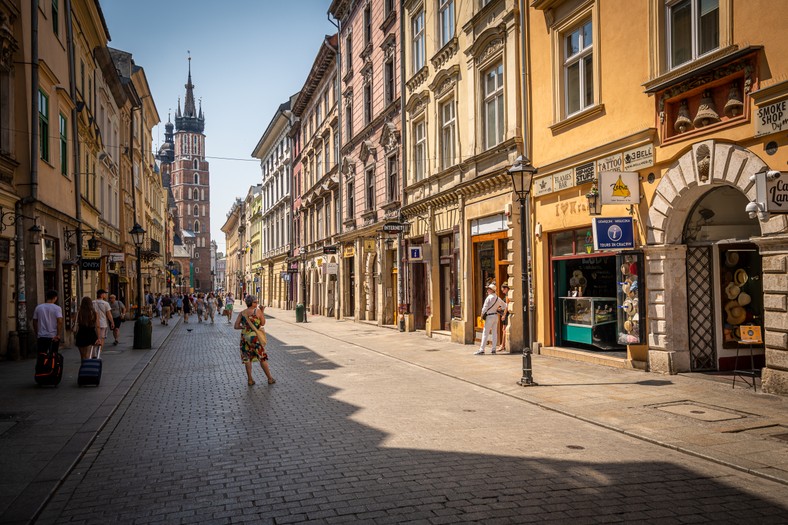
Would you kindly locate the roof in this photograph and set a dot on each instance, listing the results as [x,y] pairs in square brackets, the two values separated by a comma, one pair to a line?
[325,56]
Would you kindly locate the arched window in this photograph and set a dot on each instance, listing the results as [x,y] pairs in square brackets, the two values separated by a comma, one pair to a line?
[196,211]
[197,226]
[196,194]
[196,255]
[196,164]
[196,178]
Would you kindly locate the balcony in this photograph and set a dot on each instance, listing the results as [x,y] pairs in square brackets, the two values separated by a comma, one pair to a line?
[150,250]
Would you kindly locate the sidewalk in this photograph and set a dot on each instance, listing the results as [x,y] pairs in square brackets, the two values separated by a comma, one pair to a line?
[689,413]
[44,430]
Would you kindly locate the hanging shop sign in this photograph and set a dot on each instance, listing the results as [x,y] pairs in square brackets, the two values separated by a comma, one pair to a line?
[639,158]
[563,180]
[584,173]
[777,193]
[329,250]
[91,254]
[542,186]
[369,245]
[330,268]
[772,118]
[285,276]
[613,233]
[116,257]
[609,163]
[415,254]
[90,265]
[619,187]
[395,227]
[349,251]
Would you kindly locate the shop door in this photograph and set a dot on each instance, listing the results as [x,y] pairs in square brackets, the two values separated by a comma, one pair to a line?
[446,296]
[351,269]
[419,288]
[490,266]
[392,290]
[700,305]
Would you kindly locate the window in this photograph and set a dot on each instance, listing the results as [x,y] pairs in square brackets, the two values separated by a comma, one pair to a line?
[63,145]
[370,187]
[419,149]
[367,26]
[417,25]
[43,125]
[326,152]
[196,178]
[319,214]
[493,106]
[392,173]
[197,226]
[319,166]
[196,164]
[335,138]
[389,80]
[351,199]
[367,103]
[349,52]
[196,211]
[196,194]
[349,121]
[318,114]
[446,9]
[578,69]
[448,134]
[693,29]
[55,21]
[388,7]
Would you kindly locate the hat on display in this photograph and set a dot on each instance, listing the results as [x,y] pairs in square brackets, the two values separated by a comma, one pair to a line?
[744,299]
[740,277]
[737,315]
[633,268]
[732,291]
[731,259]
[628,326]
[628,306]
[624,269]
[625,287]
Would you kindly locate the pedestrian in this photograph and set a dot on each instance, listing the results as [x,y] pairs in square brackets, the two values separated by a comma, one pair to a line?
[151,302]
[48,322]
[166,308]
[88,327]
[118,311]
[228,307]
[187,308]
[179,304]
[104,311]
[491,310]
[251,322]
[504,317]
[199,306]
[210,307]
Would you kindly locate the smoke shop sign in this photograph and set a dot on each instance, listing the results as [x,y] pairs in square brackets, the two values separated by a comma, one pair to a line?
[772,118]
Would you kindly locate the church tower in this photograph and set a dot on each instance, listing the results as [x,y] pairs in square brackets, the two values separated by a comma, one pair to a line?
[190,183]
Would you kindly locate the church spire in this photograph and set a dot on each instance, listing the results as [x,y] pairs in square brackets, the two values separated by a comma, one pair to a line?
[190,119]
[188,109]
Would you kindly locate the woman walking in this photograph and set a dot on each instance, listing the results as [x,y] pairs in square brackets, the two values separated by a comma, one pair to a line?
[200,307]
[251,322]
[228,307]
[87,328]
[210,305]
[187,308]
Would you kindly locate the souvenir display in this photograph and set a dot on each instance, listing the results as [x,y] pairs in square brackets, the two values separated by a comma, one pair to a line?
[629,302]
[738,305]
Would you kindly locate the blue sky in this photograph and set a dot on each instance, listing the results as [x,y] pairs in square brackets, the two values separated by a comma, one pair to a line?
[248,56]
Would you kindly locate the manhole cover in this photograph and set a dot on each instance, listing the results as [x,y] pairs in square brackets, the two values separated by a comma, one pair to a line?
[701,412]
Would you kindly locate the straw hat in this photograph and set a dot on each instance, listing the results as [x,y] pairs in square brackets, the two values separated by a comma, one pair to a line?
[732,291]
[624,269]
[628,306]
[628,326]
[744,299]
[625,287]
[740,277]
[731,259]
[492,287]
[737,315]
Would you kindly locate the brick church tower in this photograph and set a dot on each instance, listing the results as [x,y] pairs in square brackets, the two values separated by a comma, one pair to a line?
[190,184]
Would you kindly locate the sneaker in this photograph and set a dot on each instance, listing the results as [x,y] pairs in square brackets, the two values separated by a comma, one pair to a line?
[492,351]
[479,352]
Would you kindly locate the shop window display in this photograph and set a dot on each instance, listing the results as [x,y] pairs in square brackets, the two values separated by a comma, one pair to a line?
[741,292]
[630,298]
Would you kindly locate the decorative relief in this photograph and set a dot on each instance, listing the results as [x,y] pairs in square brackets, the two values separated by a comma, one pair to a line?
[491,49]
[389,138]
[389,46]
[445,53]
[8,45]
[445,80]
[417,79]
[418,103]
[367,149]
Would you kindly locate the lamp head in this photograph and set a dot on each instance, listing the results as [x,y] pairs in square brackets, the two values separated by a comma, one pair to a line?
[137,234]
[522,173]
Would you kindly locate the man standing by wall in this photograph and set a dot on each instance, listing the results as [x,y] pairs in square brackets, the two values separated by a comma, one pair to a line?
[491,309]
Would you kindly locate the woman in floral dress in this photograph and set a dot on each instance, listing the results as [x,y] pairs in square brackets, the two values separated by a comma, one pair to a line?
[252,348]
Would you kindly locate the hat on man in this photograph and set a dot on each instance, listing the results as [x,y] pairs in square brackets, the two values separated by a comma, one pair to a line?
[492,286]
[504,285]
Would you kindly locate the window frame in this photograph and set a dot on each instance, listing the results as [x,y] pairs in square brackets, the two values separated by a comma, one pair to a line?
[351,198]
[695,32]
[369,187]
[389,80]
[43,125]
[449,126]
[367,96]
[496,99]
[446,14]
[392,177]
[417,41]
[367,21]
[419,150]
[579,58]
[63,124]
[55,17]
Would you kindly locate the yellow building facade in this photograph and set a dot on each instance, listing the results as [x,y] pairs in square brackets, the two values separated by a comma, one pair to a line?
[664,113]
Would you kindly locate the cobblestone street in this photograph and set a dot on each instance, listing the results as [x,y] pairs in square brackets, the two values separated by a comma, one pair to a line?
[350,434]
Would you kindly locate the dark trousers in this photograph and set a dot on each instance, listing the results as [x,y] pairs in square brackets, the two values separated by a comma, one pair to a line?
[43,344]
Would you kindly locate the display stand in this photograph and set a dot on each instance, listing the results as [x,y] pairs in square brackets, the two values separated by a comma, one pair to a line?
[750,335]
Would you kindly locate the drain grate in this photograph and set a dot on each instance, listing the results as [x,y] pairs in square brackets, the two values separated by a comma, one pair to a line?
[700,411]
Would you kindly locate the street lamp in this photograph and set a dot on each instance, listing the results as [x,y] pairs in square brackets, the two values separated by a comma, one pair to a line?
[522,173]
[170,266]
[138,236]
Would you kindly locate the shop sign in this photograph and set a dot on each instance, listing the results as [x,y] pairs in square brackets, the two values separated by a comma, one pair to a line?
[619,187]
[369,245]
[639,158]
[91,254]
[350,251]
[330,268]
[772,118]
[116,257]
[562,180]
[542,186]
[415,254]
[777,194]
[613,233]
[285,276]
[609,163]
[395,227]
[330,250]
[584,173]
[90,265]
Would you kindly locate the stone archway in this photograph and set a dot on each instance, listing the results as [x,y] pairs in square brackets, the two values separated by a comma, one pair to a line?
[705,166]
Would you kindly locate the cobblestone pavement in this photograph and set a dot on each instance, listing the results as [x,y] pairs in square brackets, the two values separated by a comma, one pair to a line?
[348,434]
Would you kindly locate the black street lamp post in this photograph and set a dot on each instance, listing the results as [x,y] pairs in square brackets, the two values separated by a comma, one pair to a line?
[170,266]
[138,236]
[522,173]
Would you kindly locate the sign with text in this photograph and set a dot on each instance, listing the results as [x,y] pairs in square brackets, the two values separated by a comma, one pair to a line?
[613,233]
[772,118]
[562,180]
[329,250]
[395,227]
[609,163]
[619,187]
[639,158]
[584,173]
[415,254]
[330,268]
[90,265]
[542,186]
[369,246]
[777,194]
[349,251]
[91,254]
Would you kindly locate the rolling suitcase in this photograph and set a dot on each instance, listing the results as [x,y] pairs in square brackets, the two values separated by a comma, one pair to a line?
[90,370]
[49,366]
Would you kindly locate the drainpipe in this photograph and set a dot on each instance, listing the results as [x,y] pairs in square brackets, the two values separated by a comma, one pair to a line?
[72,80]
[403,172]
[337,101]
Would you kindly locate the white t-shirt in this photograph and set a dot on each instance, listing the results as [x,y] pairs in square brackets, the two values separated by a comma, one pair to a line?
[47,315]
[102,307]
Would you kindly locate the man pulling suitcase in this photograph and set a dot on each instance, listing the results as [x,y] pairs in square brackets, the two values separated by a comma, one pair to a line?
[48,325]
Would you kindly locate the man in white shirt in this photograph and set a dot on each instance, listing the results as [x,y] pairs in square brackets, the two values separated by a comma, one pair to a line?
[48,322]
[104,311]
[491,309]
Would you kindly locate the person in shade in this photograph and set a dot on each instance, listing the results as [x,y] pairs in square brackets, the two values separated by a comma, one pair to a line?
[251,322]
[491,310]
[118,310]
[48,322]
[88,328]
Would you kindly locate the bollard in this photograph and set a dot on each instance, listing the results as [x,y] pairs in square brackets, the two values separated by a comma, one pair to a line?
[143,333]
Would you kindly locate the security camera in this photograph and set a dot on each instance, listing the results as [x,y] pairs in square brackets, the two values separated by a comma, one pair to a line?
[772,175]
[752,209]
